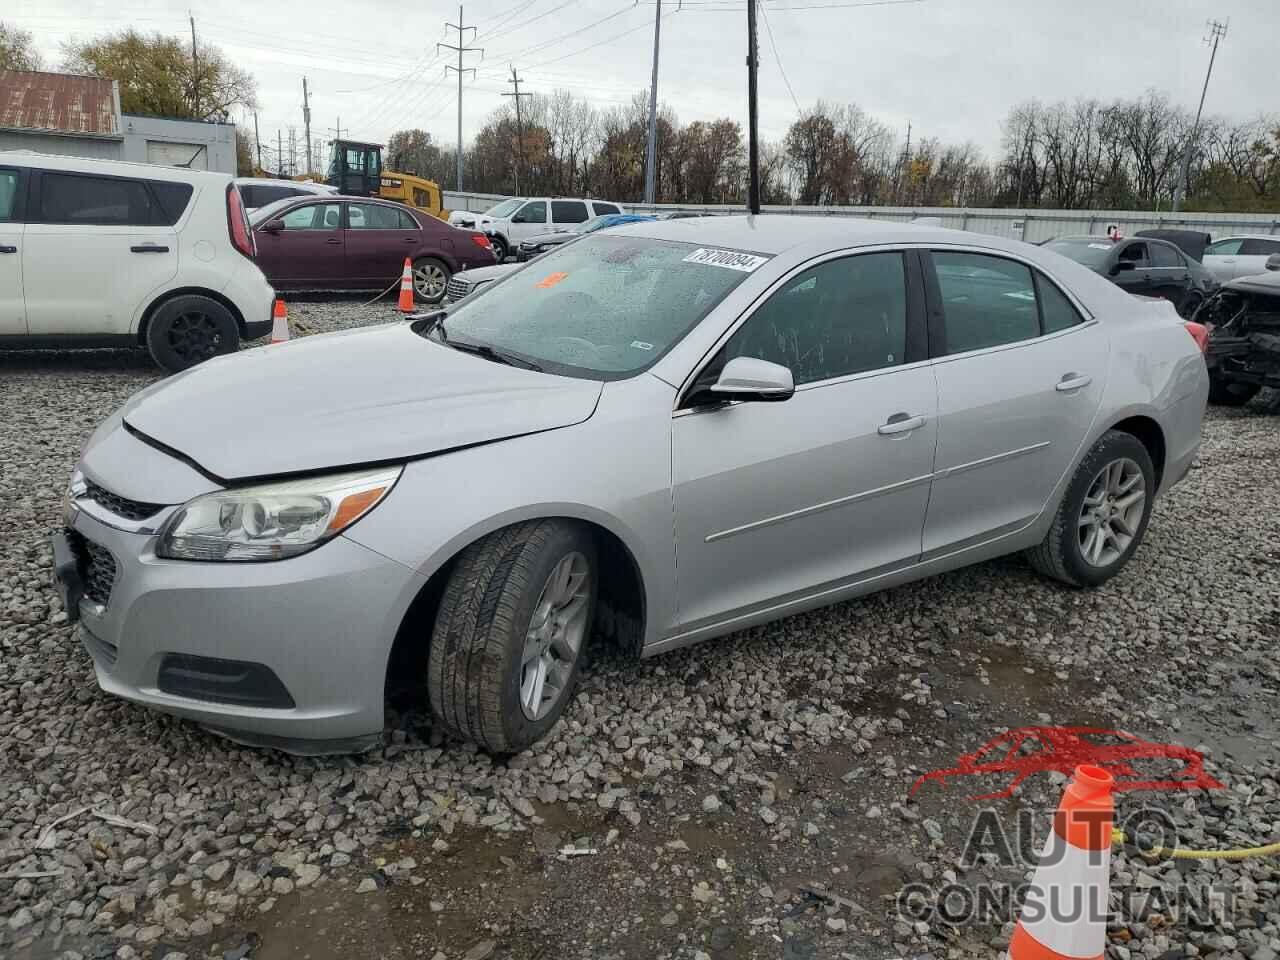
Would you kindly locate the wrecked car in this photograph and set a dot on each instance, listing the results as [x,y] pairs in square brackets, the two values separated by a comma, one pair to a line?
[1244,338]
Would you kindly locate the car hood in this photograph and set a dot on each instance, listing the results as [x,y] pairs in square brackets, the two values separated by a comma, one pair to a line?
[345,399]
[481,274]
[556,236]
[1265,283]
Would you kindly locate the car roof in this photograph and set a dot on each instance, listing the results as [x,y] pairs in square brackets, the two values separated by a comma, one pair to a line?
[1250,236]
[278,182]
[117,168]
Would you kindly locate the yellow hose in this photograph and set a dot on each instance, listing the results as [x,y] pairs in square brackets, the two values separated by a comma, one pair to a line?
[1181,853]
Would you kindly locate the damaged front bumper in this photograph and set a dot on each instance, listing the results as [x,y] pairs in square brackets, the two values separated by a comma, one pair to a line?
[1244,339]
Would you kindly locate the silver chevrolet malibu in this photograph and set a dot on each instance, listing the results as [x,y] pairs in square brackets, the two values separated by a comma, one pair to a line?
[658,434]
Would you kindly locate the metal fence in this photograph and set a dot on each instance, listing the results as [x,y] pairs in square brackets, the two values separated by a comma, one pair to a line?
[1030,225]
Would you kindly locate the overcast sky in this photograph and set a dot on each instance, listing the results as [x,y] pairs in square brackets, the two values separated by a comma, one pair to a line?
[949,67]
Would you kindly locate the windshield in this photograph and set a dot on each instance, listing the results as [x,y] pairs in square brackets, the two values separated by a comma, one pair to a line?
[604,307]
[263,214]
[505,208]
[1090,251]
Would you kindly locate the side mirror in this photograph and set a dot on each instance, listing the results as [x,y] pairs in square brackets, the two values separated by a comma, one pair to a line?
[1273,262]
[273,226]
[748,378]
[1122,266]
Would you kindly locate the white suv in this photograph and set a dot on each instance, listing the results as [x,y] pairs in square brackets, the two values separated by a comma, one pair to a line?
[98,253]
[518,218]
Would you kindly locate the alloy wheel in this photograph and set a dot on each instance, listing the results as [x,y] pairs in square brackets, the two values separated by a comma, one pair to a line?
[554,638]
[1112,512]
[194,336]
[429,281]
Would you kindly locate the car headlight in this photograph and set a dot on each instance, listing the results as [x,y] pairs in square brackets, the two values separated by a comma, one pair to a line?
[275,520]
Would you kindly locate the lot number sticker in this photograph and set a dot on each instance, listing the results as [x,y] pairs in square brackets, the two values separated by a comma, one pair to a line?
[744,262]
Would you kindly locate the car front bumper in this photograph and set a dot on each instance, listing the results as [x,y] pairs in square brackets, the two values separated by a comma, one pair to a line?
[291,654]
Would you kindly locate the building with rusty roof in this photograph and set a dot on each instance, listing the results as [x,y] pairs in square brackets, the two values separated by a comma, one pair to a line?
[76,115]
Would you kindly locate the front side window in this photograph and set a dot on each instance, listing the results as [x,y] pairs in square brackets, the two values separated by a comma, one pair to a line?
[604,307]
[108,201]
[1224,248]
[568,211]
[987,301]
[503,209]
[1163,256]
[8,194]
[314,216]
[1255,247]
[533,212]
[839,318]
[1135,253]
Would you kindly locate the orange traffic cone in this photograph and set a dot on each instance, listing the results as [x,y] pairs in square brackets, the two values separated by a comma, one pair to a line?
[406,288]
[1064,916]
[279,322]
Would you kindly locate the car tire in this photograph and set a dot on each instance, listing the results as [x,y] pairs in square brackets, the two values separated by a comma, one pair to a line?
[1231,393]
[1190,304]
[517,603]
[430,280]
[500,247]
[1098,504]
[190,329]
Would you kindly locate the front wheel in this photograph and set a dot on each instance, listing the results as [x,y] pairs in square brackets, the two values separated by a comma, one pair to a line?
[187,330]
[508,638]
[1231,393]
[1103,514]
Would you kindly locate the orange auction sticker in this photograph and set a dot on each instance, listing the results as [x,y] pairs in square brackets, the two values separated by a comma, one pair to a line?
[551,279]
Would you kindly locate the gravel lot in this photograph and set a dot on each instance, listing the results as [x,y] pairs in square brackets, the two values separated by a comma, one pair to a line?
[714,801]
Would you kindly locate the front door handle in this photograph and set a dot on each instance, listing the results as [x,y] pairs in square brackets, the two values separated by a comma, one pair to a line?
[410,240]
[149,248]
[8,249]
[900,423]
[333,240]
[1073,382]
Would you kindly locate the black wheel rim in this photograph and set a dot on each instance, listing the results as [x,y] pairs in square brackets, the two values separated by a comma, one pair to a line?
[194,336]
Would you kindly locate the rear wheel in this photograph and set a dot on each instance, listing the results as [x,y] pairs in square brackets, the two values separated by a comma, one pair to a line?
[189,329]
[430,280]
[1103,514]
[500,247]
[513,620]
[1231,393]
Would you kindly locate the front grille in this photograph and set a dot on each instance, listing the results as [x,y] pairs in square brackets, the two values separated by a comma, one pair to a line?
[97,567]
[458,288]
[120,506]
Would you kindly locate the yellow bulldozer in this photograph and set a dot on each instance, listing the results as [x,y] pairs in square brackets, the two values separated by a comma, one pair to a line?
[355,168]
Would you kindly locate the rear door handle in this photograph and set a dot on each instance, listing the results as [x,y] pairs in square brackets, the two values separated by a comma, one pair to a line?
[410,240]
[1073,382]
[900,423]
[7,249]
[333,240]
[149,248]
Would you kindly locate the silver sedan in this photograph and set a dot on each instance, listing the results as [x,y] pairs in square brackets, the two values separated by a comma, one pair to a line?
[656,435]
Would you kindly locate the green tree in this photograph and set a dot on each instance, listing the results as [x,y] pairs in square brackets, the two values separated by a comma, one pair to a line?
[157,75]
[17,50]
[245,146]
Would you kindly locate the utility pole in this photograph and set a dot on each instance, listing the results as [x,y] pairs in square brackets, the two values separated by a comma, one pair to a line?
[195,71]
[903,160]
[651,151]
[279,153]
[257,139]
[293,151]
[1217,30]
[515,79]
[753,124]
[306,121]
[460,70]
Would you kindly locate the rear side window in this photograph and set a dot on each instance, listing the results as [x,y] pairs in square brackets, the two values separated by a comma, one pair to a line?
[107,201]
[1259,248]
[9,181]
[172,199]
[568,211]
[1162,256]
[373,216]
[987,301]
[603,208]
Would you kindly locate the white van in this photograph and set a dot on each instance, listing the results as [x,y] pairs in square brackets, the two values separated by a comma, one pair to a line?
[99,253]
[520,217]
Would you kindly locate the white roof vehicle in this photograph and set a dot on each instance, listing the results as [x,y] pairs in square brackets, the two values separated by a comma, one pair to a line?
[104,253]
[260,191]
[1242,256]
[519,218]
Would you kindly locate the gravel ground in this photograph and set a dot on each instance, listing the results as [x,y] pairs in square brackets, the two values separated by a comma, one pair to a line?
[746,798]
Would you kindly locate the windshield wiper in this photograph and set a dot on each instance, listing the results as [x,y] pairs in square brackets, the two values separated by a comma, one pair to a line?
[489,353]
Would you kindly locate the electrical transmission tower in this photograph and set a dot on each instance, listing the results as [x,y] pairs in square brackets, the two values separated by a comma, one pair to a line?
[1217,30]
[515,80]
[460,70]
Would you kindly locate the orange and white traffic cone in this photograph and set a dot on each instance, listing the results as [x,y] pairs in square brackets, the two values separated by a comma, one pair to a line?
[279,322]
[1064,916]
[406,288]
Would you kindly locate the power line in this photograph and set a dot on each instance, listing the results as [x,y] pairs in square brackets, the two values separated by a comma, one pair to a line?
[778,60]
[524,23]
[565,36]
[1217,30]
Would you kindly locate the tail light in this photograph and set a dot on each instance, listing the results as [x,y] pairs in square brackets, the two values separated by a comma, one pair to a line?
[1199,333]
[238,224]
[481,240]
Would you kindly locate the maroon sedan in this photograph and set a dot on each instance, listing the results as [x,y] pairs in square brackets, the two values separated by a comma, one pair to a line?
[353,243]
